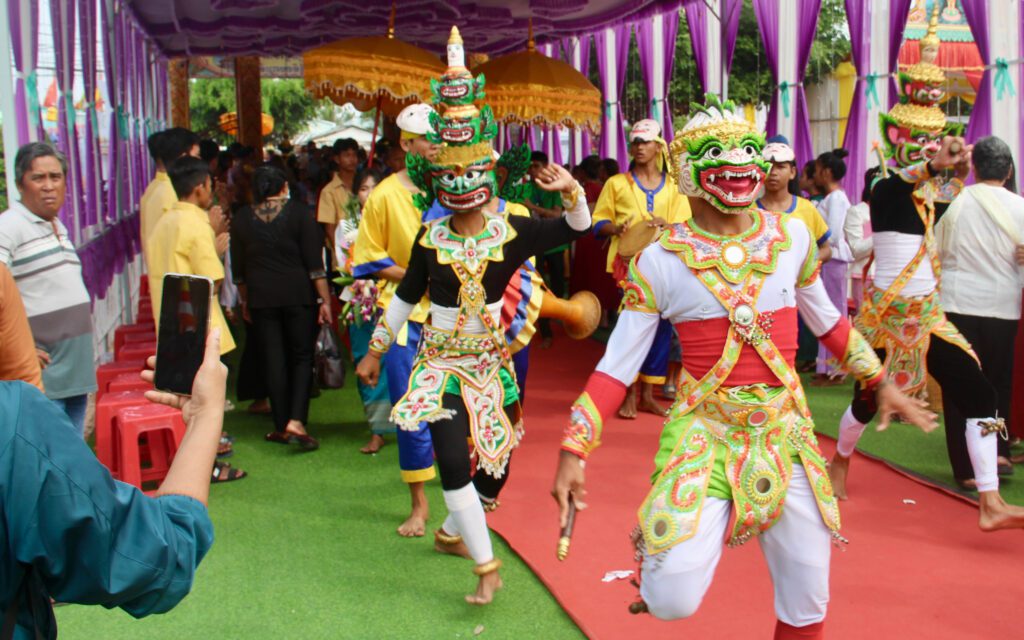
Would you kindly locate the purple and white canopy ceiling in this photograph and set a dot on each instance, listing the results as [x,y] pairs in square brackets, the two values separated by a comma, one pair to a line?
[289,27]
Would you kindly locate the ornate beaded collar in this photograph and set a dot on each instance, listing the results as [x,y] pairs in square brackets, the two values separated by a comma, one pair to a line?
[471,252]
[756,249]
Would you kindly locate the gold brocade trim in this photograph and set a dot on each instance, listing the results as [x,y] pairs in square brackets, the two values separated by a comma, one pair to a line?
[724,130]
[538,103]
[366,77]
[463,155]
[916,116]
[927,73]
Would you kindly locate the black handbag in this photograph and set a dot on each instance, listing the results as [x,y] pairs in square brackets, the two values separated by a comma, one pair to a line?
[330,369]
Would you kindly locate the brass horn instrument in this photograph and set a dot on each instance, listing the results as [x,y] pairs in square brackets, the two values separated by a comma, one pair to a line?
[580,314]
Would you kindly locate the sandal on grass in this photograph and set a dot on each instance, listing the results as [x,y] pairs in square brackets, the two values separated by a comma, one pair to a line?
[306,441]
[280,437]
[224,472]
[224,450]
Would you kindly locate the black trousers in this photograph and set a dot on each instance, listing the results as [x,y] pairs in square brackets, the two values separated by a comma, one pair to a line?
[287,336]
[252,382]
[553,268]
[451,449]
[993,340]
[963,384]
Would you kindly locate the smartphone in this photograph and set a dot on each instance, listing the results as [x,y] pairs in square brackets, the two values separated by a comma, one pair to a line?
[185,304]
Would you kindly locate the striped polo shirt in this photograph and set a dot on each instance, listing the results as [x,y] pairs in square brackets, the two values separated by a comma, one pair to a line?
[48,273]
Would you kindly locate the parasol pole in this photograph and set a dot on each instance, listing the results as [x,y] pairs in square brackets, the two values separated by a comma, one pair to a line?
[380,95]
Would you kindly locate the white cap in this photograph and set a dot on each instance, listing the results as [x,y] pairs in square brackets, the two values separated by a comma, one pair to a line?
[646,130]
[415,119]
[778,152]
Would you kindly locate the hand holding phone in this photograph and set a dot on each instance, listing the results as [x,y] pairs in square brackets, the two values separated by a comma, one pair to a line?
[184,321]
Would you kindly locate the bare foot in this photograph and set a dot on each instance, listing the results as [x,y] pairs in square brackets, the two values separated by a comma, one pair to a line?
[996,514]
[451,548]
[414,526]
[650,405]
[837,472]
[628,408]
[489,583]
[374,445]
[296,427]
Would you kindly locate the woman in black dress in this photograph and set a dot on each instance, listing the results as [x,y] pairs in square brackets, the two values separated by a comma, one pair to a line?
[276,264]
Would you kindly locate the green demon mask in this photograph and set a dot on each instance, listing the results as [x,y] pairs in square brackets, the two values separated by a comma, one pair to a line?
[717,157]
[465,176]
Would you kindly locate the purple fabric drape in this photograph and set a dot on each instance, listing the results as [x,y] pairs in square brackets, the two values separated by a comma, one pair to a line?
[790,96]
[858,15]
[551,141]
[613,135]
[807,26]
[767,14]
[91,157]
[697,17]
[62,19]
[898,12]
[577,53]
[24,33]
[112,180]
[980,124]
[657,63]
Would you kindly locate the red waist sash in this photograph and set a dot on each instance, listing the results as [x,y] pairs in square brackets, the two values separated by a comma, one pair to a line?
[702,342]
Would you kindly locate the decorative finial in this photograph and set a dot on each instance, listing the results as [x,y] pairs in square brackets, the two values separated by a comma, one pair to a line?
[930,42]
[456,54]
[530,44]
[391,20]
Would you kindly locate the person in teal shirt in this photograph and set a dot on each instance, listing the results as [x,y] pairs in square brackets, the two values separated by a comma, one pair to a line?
[72,533]
[546,204]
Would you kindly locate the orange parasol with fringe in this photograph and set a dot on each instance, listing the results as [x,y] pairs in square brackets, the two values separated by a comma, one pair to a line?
[530,88]
[374,71]
[228,123]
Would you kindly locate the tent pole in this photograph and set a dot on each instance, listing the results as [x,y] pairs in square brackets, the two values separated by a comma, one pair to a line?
[376,124]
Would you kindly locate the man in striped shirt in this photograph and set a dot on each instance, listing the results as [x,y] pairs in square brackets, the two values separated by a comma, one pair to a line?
[35,245]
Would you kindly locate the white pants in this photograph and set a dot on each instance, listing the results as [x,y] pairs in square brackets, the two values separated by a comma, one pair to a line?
[797,548]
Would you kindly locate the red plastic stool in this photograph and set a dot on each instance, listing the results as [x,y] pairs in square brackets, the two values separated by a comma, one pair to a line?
[145,310]
[136,351]
[164,429]
[143,332]
[105,373]
[106,409]
[128,382]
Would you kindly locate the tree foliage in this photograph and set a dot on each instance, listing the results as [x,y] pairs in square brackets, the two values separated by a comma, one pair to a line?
[750,80]
[287,101]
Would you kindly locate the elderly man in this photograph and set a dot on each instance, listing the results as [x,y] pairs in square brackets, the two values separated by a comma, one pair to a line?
[35,245]
[981,285]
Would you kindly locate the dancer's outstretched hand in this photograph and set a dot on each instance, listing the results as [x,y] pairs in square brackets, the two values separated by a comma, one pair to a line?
[892,401]
[554,177]
[368,370]
[568,483]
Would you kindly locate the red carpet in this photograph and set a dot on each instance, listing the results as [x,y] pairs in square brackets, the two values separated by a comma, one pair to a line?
[919,570]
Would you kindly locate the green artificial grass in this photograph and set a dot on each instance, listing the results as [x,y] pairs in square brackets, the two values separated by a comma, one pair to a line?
[306,548]
[901,444]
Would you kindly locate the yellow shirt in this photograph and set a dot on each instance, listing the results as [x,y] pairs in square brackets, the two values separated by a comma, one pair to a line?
[183,242]
[330,209]
[386,232]
[158,197]
[622,201]
[804,210]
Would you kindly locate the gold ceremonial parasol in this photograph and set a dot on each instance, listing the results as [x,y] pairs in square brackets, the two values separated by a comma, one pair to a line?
[228,123]
[530,88]
[375,71]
